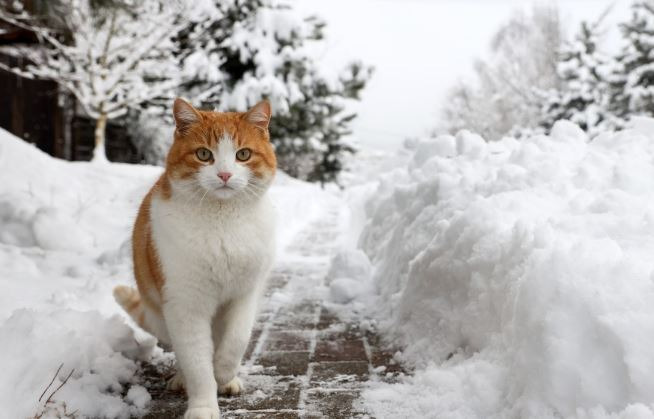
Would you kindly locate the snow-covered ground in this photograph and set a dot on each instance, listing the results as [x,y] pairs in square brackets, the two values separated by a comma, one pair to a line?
[516,276]
[64,244]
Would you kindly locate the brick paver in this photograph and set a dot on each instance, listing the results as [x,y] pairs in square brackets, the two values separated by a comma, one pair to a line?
[303,361]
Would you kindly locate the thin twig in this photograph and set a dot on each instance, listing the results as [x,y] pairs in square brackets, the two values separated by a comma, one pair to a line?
[60,385]
[52,381]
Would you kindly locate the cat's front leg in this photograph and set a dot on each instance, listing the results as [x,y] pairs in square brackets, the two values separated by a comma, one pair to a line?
[232,329]
[189,326]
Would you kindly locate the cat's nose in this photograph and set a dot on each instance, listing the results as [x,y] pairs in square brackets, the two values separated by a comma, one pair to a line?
[224,176]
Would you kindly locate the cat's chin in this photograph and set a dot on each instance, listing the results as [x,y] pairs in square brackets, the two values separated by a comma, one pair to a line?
[224,193]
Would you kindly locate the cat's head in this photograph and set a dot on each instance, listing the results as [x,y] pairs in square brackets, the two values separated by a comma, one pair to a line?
[221,155]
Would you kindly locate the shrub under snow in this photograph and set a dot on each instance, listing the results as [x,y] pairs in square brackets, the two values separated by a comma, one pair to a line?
[518,276]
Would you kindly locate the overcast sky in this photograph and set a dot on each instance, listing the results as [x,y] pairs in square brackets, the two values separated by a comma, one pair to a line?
[420,48]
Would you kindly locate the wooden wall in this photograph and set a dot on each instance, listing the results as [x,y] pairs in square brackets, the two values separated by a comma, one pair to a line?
[37,112]
[29,109]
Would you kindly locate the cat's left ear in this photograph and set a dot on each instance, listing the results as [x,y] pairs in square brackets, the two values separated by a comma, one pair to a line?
[185,115]
[259,114]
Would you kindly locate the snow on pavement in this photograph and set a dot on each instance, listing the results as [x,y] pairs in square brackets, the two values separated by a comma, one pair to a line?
[303,361]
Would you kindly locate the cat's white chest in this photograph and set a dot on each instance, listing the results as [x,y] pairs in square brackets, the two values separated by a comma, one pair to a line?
[224,251]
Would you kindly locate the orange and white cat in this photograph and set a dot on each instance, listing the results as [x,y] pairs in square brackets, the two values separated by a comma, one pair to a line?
[203,245]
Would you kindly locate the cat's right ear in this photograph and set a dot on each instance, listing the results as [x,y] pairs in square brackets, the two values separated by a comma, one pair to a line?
[185,115]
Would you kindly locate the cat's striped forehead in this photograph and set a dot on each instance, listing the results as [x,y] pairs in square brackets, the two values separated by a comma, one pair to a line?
[217,128]
[224,134]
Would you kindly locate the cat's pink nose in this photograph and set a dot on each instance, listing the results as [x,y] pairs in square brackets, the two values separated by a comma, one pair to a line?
[224,176]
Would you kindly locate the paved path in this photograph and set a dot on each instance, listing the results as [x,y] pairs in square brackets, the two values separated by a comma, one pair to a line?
[302,362]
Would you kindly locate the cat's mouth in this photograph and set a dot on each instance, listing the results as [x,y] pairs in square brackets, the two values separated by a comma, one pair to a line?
[224,191]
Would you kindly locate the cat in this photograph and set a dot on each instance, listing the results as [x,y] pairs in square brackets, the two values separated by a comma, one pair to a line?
[203,245]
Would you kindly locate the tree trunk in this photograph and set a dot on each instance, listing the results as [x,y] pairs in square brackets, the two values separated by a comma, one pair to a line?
[99,154]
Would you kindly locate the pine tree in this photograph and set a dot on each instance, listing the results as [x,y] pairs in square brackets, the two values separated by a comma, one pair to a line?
[632,81]
[504,93]
[253,49]
[582,97]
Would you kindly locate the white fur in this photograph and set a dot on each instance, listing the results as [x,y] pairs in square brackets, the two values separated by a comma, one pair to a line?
[215,255]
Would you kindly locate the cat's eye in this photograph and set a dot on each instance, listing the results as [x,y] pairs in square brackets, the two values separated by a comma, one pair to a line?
[203,154]
[243,154]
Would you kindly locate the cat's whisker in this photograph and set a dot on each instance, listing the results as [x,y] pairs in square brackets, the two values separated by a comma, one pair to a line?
[202,199]
[251,194]
[195,191]
[256,187]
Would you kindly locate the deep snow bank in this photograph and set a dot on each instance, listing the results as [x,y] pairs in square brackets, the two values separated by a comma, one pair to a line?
[64,230]
[64,244]
[518,276]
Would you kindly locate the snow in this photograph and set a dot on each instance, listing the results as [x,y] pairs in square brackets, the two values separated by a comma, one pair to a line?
[348,276]
[138,396]
[259,37]
[102,66]
[101,352]
[516,276]
[64,244]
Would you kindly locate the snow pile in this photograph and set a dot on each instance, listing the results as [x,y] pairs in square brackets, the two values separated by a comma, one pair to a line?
[348,276]
[518,276]
[64,244]
[100,351]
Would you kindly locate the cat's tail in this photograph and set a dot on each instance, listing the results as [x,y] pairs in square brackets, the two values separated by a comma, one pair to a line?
[151,321]
[130,300]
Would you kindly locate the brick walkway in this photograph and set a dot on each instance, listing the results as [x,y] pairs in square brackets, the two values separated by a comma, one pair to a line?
[302,362]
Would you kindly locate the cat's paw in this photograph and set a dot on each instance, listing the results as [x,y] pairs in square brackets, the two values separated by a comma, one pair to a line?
[232,388]
[176,383]
[202,413]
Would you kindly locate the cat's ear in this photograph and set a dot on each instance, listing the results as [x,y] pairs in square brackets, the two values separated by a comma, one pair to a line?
[185,114]
[259,114]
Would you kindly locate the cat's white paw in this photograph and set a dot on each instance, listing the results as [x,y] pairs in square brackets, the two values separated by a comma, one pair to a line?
[232,388]
[202,413]
[176,383]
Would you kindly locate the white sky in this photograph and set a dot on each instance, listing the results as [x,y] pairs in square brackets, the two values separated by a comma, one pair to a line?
[419,49]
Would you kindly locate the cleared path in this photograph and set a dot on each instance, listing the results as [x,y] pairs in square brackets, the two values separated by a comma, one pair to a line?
[302,362]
